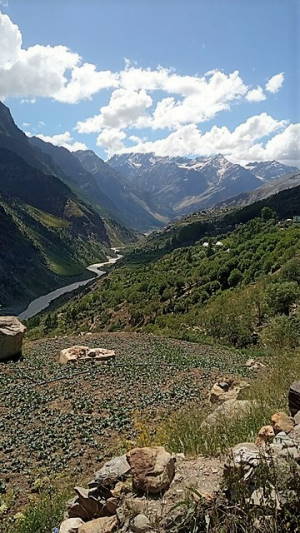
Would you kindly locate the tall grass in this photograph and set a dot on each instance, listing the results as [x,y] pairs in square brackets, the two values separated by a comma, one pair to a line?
[41,516]
[182,431]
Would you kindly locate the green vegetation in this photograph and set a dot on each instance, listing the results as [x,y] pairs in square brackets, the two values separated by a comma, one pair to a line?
[229,289]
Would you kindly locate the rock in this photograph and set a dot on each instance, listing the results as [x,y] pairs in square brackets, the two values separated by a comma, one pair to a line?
[86,506]
[70,525]
[11,336]
[231,409]
[227,390]
[84,353]
[265,435]
[140,524]
[265,497]
[297,418]
[254,365]
[113,471]
[242,459]
[282,422]
[294,398]
[152,469]
[108,524]
[295,434]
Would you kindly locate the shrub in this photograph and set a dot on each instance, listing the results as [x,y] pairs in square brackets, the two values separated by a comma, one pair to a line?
[280,296]
[282,332]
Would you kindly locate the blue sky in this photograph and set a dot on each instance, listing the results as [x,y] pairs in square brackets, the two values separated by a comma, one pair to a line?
[161,99]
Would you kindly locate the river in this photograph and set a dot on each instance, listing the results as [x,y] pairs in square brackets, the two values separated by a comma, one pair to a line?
[41,303]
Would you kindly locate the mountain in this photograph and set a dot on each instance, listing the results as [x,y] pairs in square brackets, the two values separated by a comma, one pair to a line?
[269,170]
[126,205]
[177,186]
[274,186]
[62,233]
[53,234]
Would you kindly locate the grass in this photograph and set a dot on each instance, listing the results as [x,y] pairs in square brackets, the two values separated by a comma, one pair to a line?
[41,516]
[48,220]
[182,431]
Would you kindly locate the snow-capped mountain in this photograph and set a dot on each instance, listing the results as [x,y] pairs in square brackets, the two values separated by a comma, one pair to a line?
[174,186]
[268,170]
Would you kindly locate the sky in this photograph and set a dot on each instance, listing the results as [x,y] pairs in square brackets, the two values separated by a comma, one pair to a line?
[173,77]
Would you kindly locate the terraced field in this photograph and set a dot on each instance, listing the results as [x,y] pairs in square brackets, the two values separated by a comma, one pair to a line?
[58,418]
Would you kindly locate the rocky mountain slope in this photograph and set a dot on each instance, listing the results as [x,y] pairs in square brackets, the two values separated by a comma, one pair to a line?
[270,188]
[177,186]
[99,184]
[48,233]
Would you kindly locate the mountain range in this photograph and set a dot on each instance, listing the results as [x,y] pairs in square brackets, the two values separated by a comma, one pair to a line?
[61,210]
[175,186]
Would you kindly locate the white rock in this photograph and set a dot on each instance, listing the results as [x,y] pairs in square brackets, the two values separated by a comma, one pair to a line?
[11,336]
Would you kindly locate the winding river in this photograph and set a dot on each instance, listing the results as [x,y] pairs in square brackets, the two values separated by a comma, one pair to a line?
[41,303]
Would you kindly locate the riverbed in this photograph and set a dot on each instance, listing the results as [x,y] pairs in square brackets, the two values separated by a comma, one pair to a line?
[41,303]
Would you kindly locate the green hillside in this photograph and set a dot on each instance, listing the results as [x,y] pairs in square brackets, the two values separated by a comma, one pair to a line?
[230,287]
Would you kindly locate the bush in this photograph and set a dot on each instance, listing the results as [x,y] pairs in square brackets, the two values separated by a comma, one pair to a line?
[291,270]
[280,296]
[282,332]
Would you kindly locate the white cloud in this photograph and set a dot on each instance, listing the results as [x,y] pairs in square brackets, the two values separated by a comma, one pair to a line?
[124,109]
[274,84]
[111,140]
[256,95]
[238,145]
[63,139]
[45,71]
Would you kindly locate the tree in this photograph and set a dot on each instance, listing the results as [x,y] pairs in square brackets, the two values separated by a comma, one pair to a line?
[268,214]
[235,277]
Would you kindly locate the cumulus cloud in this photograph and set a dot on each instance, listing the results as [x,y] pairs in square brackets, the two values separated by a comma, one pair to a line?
[274,84]
[63,139]
[142,99]
[239,145]
[45,71]
[256,95]
[124,109]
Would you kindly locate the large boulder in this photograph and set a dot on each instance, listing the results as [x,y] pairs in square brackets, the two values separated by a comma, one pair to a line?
[11,336]
[229,410]
[225,390]
[84,353]
[107,524]
[152,469]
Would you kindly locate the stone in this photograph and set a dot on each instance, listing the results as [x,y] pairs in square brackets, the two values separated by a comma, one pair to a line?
[282,422]
[152,469]
[229,410]
[86,506]
[294,398]
[71,525]
[227,390]
[107,524]
[242,459]
[84,353]
[117,469]
[254,365]
[295,434]
[297,418]
[265,498]
[265,435]
[11,337]
[140,524]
